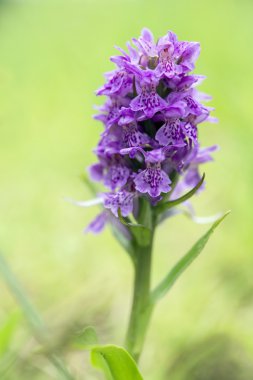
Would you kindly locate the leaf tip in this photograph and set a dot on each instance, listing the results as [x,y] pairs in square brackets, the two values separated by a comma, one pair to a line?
[221,218]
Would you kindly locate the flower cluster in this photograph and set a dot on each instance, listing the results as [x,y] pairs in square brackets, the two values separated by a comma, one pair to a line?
[149,145]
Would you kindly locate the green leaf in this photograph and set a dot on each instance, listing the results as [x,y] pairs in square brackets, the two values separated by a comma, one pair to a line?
[115,362]
[183,263]
[85,339]
[185,197]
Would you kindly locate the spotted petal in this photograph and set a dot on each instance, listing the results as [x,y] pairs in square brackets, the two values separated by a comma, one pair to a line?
[153,181]
[148,101]
[116,176]
[122,200]
[170,133]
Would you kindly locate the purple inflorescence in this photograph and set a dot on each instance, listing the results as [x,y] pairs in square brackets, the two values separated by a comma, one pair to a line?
[150,118]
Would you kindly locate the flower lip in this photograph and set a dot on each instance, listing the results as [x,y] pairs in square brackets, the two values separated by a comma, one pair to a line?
[153,181]
[148,101]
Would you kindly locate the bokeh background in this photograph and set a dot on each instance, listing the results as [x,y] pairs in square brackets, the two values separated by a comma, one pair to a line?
[53,56]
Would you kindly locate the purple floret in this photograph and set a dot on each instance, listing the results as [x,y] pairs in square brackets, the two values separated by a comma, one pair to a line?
[122,199]
[153,180]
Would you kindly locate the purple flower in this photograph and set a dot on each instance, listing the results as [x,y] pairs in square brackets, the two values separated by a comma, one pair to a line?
[97,225]
[122,200]
[132,136]
[190,131]
[145,43]
[153,181]
[96,172]
[111,110]
[193,107]
[148,101]
[171,133]
[117,175]
[151,117]
[127,116]
[119,83]
[167,65]
[176,57]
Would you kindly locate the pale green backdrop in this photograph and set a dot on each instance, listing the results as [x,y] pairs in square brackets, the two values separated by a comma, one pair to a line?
[53,56]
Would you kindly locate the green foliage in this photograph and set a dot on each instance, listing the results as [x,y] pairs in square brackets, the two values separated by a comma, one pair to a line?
[184,263]
[115,362]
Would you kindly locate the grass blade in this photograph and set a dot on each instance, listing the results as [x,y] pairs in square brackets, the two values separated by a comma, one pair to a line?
[39,328]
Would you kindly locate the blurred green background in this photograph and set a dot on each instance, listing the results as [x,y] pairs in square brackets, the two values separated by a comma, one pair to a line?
[53,56]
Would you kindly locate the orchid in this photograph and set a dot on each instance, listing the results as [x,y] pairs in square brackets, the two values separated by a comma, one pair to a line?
[149,158]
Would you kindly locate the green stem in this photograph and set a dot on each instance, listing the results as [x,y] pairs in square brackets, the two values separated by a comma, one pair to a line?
[141,305]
